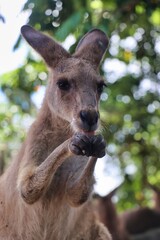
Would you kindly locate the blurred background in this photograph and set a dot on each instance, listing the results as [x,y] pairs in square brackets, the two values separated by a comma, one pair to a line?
[130,105]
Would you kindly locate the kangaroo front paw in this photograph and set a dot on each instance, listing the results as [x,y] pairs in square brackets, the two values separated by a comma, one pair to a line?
[98,146]
[82,144]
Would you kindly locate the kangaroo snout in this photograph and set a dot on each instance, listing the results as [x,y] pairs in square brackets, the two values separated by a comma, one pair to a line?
[89,120]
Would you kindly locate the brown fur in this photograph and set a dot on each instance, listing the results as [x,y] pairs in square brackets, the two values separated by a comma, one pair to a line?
[107,214]
[139,223]
[143,219]
[45,193]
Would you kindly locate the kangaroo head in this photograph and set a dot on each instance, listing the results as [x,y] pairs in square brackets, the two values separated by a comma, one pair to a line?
[74,86]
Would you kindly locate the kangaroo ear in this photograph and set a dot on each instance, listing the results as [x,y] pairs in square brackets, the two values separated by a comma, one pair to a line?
[92,46]
[51,51]
[111,194]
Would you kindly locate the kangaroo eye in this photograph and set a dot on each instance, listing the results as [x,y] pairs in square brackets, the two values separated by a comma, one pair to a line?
[100,87]
[64,84]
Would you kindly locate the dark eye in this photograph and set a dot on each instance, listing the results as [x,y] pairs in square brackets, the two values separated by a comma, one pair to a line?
[64,84]
[100,87]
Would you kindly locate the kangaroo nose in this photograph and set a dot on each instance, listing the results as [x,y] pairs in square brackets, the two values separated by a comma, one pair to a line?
[89,119]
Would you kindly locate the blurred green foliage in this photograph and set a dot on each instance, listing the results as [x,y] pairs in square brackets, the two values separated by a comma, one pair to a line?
[130,106]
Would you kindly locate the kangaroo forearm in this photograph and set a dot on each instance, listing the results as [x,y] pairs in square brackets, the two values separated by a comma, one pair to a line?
[33,183]
[78,191]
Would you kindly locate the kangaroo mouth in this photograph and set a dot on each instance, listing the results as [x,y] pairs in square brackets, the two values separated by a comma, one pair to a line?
[83,127]
[89,133]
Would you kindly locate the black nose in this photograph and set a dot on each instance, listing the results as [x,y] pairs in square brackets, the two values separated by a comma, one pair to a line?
[89,119]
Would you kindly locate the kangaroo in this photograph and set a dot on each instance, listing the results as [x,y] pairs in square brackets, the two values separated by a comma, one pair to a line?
[143,219]
[141,223]
[107,214]
[45,193]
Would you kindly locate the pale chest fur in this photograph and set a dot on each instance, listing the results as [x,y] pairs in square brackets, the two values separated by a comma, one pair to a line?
[40,221]
[44,219]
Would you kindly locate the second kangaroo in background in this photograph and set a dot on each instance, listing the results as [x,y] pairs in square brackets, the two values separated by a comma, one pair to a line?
[45,192]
